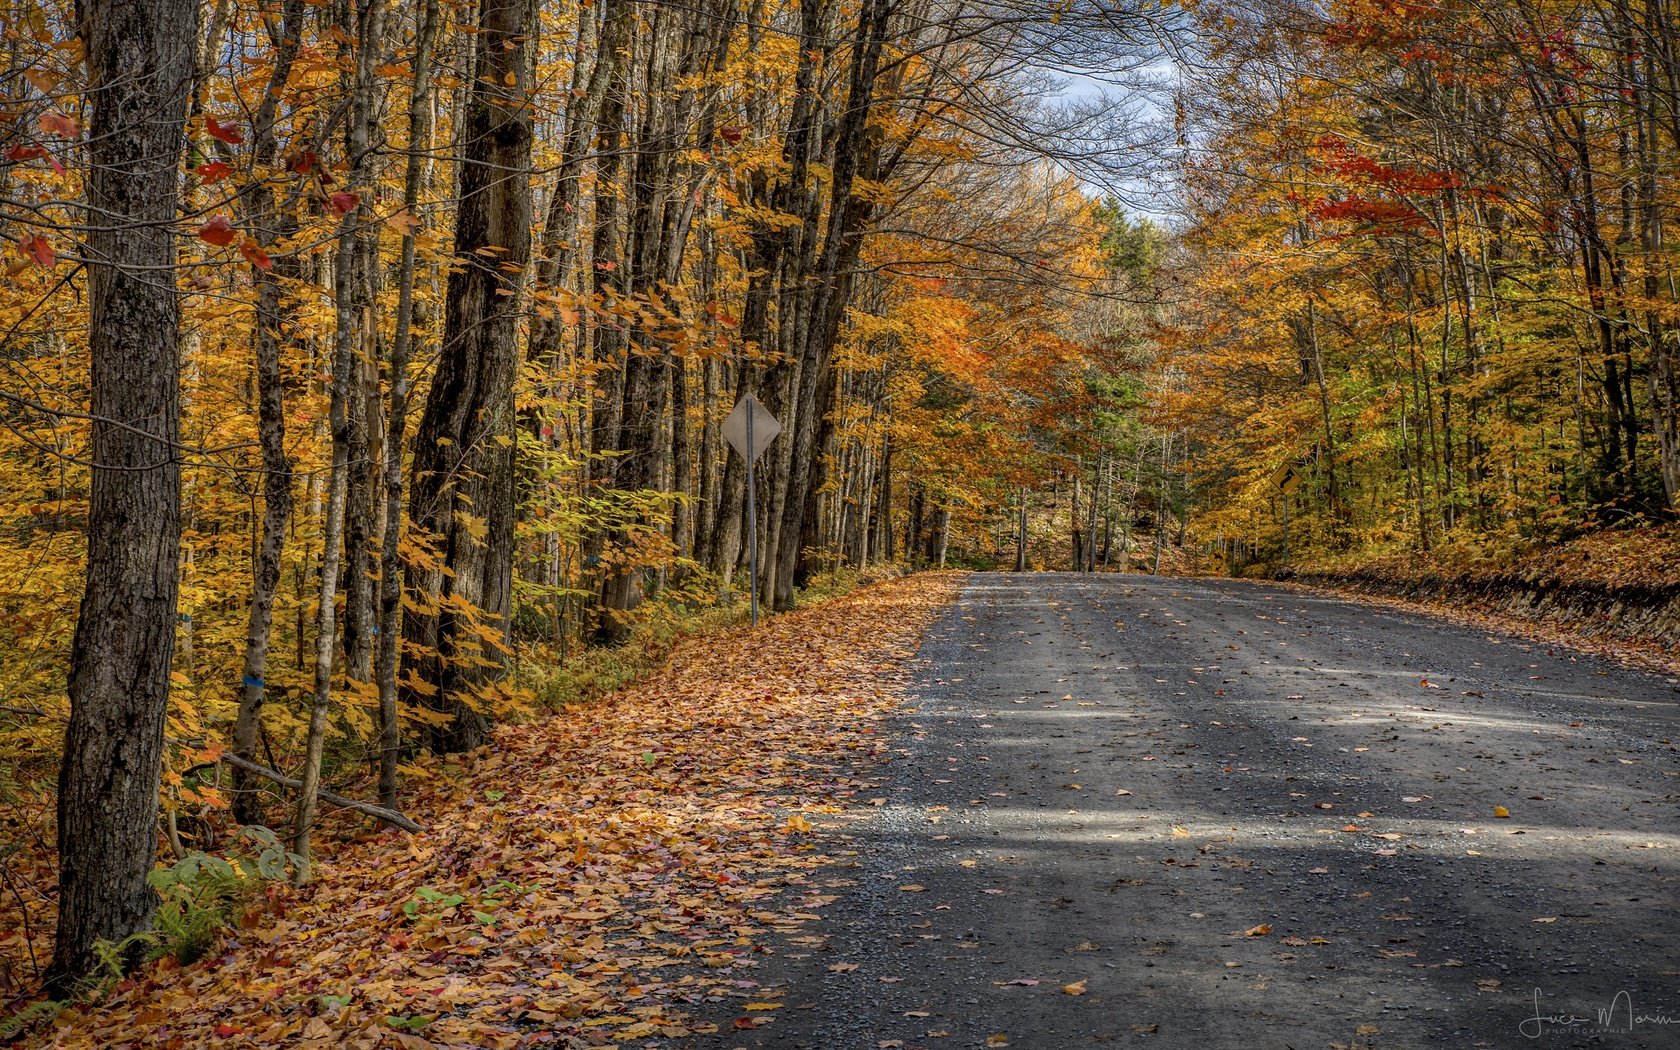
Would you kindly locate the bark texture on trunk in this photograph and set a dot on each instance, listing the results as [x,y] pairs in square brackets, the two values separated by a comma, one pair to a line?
[274,314]
[140,60]
[463,488]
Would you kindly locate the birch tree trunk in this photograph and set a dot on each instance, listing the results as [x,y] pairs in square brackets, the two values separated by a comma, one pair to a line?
[353,322]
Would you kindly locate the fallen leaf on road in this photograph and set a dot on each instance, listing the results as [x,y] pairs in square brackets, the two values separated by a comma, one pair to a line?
[1488,984]
[1122,791]
[1501,811]
[1546,918]
[1258,931]
[914,887]
[1180,833]
[1318,871]
[842,967]
[1086,946]
[1411,798]
[997,1040]
[1025,982]
[1076,988]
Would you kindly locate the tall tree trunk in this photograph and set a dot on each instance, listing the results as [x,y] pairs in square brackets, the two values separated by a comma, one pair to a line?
[273,317]
[1021,533]
[390,560]
[462,495]
[829,292]
[139,57]
[353,321]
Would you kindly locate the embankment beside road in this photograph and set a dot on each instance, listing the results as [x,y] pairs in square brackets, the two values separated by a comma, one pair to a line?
[1618,587]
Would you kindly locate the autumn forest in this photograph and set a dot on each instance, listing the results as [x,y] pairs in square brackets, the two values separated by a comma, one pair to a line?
[366,363]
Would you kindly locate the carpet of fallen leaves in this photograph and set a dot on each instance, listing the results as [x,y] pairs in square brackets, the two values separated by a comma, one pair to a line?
[604,875]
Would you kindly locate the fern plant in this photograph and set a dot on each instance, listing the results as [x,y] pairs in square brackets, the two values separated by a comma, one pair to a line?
[202,893]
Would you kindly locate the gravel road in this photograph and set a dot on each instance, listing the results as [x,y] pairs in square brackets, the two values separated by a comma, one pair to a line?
[1176,813]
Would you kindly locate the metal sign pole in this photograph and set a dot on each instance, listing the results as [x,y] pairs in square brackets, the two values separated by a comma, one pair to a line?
[744,431]
[752,517]
[1286,530]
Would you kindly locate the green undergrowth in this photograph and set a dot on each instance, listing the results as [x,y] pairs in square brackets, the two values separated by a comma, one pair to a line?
[199,896]
[660,627]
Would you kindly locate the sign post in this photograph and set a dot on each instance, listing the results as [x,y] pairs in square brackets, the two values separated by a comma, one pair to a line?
[749,430]
[1287,479]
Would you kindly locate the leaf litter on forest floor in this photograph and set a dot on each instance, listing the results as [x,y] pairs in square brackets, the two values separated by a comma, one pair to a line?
[600,897]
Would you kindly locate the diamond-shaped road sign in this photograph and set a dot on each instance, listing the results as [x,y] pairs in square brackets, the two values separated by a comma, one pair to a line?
[763,429]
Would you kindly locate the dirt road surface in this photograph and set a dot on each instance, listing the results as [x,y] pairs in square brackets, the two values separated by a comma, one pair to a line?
[1175,813]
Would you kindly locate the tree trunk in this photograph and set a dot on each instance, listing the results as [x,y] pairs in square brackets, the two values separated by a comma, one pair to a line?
[462,496]
[390,560]
[273,316]
[140,63]
[352,327]
[1021,534]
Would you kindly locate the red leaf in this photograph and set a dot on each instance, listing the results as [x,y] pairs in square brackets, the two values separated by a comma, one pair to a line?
[228,133]
[344,203]
[213,172]
[732,133]
[36,249]
[22,153]
[254,254]
[217,231]
[301,162]
[227,1031]
[58,124]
